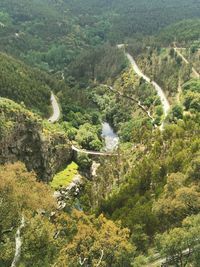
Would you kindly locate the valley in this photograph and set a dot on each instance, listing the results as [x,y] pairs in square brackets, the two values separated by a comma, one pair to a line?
[99,133]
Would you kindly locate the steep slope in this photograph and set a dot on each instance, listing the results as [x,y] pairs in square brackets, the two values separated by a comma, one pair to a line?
[158,89]
[24,84]
[130,17]
[50,34]
[151,185]
[24,137]
[42,33]
[183,31]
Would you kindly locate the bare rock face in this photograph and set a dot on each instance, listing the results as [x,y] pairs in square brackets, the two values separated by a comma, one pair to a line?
[24,138]
[72,191]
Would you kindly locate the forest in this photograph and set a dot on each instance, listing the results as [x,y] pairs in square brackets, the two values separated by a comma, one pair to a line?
[115,62]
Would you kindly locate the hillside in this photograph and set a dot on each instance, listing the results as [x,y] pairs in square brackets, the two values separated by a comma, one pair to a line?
[23,137]
[113,180]
[50,34]
[183,32]
[25,84]
[129,18]
[42,33]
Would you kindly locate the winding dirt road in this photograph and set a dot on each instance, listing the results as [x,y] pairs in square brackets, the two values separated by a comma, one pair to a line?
[159,90]
[56,109]
[194,71]
[55,117]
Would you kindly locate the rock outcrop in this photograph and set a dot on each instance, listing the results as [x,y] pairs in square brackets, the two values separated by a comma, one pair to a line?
[72,191]
[25,137]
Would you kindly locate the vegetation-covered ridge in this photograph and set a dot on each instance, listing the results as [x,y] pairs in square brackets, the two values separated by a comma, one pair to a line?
[50,34]
[22,83]
[138,208]
[181,32]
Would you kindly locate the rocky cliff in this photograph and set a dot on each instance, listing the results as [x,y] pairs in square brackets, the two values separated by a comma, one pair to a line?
[25,137]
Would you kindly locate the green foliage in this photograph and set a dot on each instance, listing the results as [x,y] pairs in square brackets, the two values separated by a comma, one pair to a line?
[45,34]
[39,245]
[52,237]
[5,126]
[143,179]
[84,162]
[70,130]
[65,177]
[10,110]
[88,137]
[23,84]
[94,238]
[22,196]
[140,261]
[193,172]
[180,245]
[178,199]
[192,85]
[177,112]
[164,67]
[128,18]
[5,19]
[127,130]
[192,101]
[99,64]
[159,111]
[183,31]
[192,95]
[153,184]
[51,34]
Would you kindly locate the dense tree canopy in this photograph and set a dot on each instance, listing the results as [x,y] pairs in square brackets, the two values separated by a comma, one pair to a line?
[144,201]
[23,84]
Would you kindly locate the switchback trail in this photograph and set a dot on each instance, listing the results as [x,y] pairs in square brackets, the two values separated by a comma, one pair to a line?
[159,90]
[194,71]
[56,109]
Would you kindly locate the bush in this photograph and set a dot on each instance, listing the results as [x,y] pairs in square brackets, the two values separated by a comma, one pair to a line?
[84,162]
